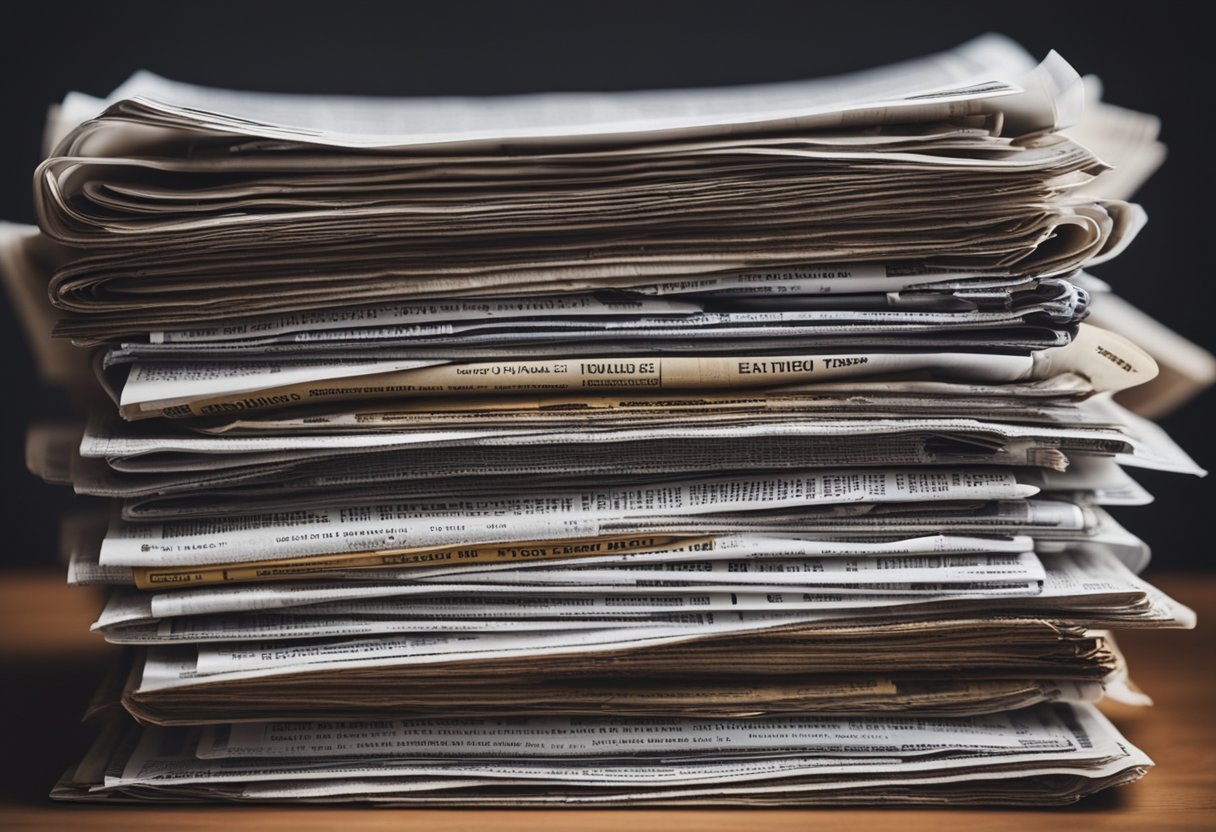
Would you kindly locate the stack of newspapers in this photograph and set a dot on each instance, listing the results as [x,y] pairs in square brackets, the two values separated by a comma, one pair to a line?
[715,446]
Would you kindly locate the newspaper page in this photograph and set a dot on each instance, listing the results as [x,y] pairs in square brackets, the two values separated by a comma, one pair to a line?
[549,517]
[1110,361]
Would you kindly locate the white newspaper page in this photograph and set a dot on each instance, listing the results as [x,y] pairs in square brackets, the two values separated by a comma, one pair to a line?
[530,517]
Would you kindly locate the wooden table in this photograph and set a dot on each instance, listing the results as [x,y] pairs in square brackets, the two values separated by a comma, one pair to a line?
[51,662]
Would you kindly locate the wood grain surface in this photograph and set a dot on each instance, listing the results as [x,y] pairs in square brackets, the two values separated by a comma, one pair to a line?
[49,663]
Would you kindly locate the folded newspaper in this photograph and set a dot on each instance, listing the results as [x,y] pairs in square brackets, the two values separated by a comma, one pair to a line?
[723,446]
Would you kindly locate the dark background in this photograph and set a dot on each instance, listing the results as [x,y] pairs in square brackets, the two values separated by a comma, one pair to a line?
[1154,61]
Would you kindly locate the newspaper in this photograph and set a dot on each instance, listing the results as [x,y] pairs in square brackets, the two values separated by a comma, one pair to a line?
[1036,662]
[934,552]
[1052,524]
[1079,586]
[261,497]
[1064,739]
[705,610]
[497,322]
[1104,428]
[745,446]
[615,411]
[617,738]
[1110,362]
[215,678]
[246,660]
[554,516]
[692,174]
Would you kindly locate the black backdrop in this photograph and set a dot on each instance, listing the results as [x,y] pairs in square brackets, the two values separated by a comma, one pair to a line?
[1155,61]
